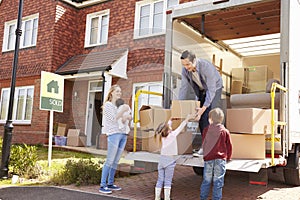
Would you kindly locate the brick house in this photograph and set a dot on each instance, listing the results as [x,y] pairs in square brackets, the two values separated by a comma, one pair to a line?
[78,40]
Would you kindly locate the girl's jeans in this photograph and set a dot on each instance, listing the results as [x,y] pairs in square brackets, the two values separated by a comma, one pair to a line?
[166,168]
[214,171]
[115,147]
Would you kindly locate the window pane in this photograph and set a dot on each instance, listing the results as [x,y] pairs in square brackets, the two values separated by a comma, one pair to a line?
[34,32]
[29,103]
[96,86]
[144,20]
[154,99]
[158,17]
[11,37]
[20,104]
[4,104]
[104,29]
[27,33]
[94,30]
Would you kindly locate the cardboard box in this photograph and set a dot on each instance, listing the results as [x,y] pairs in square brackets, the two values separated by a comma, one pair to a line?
[152,116]
[181,108]
[248,146]
[176,123]
[249,120]
[150,143]
[75,139]
[191,126]
[236,87]
[185,143]
[153,144]
[103,141]
[61,129]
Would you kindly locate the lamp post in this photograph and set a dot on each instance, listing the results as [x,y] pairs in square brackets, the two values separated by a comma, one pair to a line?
[8,127]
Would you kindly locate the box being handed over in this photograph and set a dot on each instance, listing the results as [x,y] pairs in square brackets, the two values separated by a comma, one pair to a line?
[182,144]
[151,116]
[181,108]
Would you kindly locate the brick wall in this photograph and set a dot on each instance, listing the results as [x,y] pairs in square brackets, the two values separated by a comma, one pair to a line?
[31,60]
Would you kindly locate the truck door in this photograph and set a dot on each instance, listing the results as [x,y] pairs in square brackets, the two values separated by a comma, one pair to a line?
[290,67]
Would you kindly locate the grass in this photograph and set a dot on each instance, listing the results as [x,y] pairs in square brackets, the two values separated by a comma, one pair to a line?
[63,153]
[58,160]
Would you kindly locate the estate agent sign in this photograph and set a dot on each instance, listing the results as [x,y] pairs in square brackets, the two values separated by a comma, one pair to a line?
[52,92]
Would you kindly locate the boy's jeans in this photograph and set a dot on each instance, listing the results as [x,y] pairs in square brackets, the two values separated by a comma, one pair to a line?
[214,170]
[115,147]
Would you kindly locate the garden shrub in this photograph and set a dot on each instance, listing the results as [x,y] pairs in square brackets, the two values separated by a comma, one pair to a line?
[23,160]
[78,172]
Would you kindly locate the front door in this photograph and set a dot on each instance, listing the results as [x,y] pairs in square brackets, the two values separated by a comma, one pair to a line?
[94,115]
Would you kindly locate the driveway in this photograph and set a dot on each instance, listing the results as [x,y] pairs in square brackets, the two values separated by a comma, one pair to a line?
[186,186]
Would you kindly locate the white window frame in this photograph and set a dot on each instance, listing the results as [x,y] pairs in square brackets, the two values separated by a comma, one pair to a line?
[15,107]
[137,19]
[25,20]
[89,18]
[150,99]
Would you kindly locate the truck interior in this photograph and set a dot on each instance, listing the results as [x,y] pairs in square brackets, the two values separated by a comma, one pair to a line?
[244,42]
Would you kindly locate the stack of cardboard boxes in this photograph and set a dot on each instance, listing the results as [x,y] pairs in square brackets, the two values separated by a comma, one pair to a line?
[75,139]
[152,116]
[60,138]
[249,127]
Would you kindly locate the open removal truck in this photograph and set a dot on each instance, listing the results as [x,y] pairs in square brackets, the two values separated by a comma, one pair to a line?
[241,34]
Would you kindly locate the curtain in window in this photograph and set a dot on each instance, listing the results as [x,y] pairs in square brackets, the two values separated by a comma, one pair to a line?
[158,17]
[11,37]
[144,20]
[4,104]
[94,30]
[104,29]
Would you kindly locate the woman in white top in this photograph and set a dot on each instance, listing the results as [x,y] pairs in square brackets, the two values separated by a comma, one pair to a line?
[167,159]
[116,139]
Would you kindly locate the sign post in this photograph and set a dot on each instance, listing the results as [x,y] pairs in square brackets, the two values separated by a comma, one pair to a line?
[52,99]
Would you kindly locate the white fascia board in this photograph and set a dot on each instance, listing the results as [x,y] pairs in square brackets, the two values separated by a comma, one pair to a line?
[83,4]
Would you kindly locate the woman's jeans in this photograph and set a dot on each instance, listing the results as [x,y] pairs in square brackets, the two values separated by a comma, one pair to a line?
[115,147]
[166,168]
[214,171]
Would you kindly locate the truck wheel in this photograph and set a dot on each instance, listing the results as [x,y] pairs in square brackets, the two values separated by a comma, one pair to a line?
[198,170]
[291,171]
